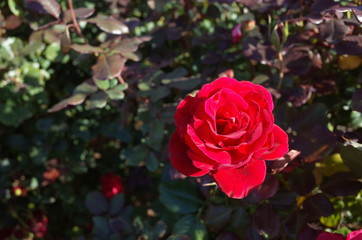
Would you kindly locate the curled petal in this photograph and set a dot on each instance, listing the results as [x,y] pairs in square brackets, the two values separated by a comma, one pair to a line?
[180,159]
[278,141]
[237,182]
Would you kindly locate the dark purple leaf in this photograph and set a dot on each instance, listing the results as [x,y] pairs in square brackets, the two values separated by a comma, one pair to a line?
[217,217]
[352,158]
[357,11]
[50,7]
[357,100]
[109,24]
[96,203]
[267,189]
[108,67]
[227,236]
[119,224]
[319,6]
[71,101]
[262,53]
[283,199]
[79,13]
[316,206]
[333,30]
[240,221]
[342,184]
[314,143]
[294,223]
[266,220]
[313,114]
[302,181]
[350,45]
[298,95]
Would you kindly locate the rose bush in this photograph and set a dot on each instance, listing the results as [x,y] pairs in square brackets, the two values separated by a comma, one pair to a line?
[355,235]
[227,130]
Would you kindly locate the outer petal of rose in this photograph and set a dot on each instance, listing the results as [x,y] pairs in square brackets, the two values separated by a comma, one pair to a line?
[183,113]
[237,182]
[279,146]
[180,159]
[355,235]
[330,236]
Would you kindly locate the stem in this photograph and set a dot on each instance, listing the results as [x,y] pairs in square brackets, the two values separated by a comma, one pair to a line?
[281,66]
[75,23]
[120,79]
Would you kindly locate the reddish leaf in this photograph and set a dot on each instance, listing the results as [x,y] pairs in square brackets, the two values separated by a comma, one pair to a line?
[350,45]
[50,7]
[79,13]
[12,22]
[108,66]
[333,30]
[71,101]
[109,24]
[317,205]
[86,48]
[65,41]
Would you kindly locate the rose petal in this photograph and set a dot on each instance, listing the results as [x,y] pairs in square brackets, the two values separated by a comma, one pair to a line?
[196,144]
[237,183]
[183,114]
[330,236]
[355,235]
[279,144]
[180,159]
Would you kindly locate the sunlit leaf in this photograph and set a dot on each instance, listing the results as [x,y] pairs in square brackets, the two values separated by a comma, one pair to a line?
[71,101]
[108,67]
[109,24]
[50,7]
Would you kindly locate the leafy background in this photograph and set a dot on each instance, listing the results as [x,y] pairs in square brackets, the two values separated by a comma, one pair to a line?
[90,87]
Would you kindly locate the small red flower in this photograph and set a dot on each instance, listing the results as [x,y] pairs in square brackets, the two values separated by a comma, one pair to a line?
[236,33]
[227,130]
[111,184]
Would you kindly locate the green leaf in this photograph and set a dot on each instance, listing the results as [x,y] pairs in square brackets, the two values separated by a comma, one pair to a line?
[152,162]
[139,155]
[178,237]
[331,221]
[86,87]
[108,67]
[116,204]
[260,79]
[191,226]
[96,203]
[14,8]
[159,93]
[352,157]
[102,84]
[13,115]
[52,51]
[180,196]
[117,92]
[97,100]
[183,83]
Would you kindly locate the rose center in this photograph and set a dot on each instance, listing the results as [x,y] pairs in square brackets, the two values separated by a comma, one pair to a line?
[226,124]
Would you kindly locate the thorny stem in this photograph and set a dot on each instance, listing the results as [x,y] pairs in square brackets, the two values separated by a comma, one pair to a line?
[75,23]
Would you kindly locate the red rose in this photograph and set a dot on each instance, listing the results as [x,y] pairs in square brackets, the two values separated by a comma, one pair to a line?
[111,185]
[227,130]
[355,235]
